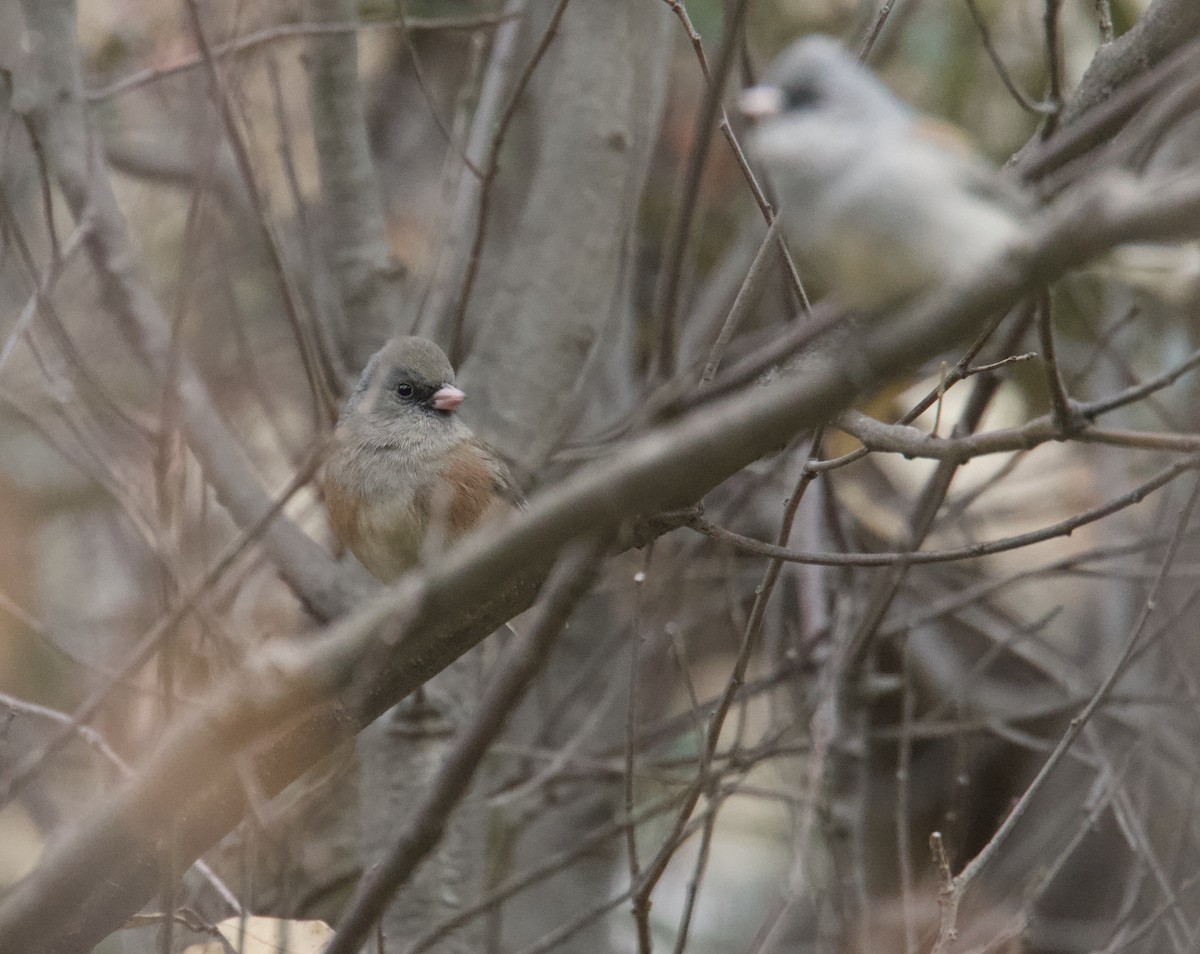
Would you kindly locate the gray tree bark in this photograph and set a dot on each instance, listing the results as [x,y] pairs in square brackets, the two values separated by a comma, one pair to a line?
[353,226]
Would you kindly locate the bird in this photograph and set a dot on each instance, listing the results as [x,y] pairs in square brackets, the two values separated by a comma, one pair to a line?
[879,202]
[406,478]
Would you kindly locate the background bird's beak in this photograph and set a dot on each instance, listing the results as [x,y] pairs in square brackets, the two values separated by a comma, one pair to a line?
[759,102]
[447,398]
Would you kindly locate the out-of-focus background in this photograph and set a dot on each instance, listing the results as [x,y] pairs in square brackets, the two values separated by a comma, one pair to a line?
[243,195]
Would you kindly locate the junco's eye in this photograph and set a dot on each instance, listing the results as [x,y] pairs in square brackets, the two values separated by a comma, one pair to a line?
[404,390]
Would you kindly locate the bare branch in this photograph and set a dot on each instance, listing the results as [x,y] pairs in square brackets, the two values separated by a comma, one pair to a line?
[58,114]
[506,686]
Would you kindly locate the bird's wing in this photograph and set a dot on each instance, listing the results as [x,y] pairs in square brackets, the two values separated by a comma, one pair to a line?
[502,478]
[975,174]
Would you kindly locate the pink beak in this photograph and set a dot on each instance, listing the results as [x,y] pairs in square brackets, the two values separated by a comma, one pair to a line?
[759,102]
[447,398]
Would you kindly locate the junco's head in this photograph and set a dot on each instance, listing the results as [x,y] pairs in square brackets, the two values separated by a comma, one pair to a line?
[407,384]
[407,477]
[878,202]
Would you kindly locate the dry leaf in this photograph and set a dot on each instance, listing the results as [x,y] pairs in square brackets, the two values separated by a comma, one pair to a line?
[268,936]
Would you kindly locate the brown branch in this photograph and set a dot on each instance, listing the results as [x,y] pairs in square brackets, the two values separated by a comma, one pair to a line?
[288,31]
[970,551]
[913,442]
[1122,78]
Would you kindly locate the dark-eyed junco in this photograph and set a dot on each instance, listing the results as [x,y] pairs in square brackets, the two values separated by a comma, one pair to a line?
[407,478]
[878,201]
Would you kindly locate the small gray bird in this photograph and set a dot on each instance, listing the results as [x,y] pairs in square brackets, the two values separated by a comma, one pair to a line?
[878,202]
[407,478]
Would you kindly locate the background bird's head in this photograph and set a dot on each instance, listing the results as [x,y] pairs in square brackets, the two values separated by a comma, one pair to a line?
[815,75]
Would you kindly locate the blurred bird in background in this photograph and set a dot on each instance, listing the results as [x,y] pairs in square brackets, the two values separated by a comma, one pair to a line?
[878,202]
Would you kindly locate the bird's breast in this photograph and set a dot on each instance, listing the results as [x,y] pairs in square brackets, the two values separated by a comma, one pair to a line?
[370,495]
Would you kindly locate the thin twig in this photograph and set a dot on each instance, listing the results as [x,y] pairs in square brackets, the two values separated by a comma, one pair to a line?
[697,877]
[288,31]
[749,643]
[449,262]
[881,18]
[641,903]
[947,896]
[1104,20]
[961,882]
[506,687]
[435,113]
[583,845]
[45,307]
[904,818]
[1060,403]
[917,557]
[44,183]
[756,190]
[1054,68]
[688,192]
[769,215]
[1131,395]
[741,304]
[985,36]
[19,775]
[45,286]
[996,365]
[323,402]
[330,354]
